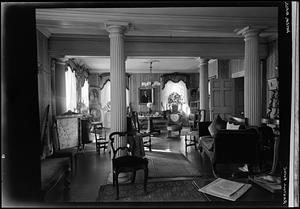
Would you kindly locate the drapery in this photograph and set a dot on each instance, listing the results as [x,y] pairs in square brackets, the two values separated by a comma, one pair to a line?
[181,89]
[105,94]
[175,77]
[85,95]
[71,98]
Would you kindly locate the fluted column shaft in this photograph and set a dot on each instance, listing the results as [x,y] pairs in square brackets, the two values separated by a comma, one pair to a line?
[203,86]
[118,85]
[252,80]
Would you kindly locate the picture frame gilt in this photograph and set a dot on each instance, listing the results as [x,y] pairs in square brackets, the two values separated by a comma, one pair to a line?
[146,95]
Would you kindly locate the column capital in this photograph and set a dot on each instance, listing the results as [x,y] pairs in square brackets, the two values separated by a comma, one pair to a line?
[117,27]
[248,32]
[202,61]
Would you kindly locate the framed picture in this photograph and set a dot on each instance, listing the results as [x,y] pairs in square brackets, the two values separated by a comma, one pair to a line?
[194,94]
[146,95]
[273,83]
[94,93]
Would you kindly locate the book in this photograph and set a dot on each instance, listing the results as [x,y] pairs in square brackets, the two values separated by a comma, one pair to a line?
[268,182]
[226,189]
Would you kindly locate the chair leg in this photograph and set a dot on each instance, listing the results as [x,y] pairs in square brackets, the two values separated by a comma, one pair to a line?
[150,143]
[117,185]
[97,147]
[133,176]
[195,142]
[145,179]
[214,170]
[185,142]
[114,179]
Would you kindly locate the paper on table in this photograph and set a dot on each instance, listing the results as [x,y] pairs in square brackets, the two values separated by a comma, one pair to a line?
[226,189]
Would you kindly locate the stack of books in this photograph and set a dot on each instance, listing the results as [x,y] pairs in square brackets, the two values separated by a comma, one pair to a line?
[226,189]
[268,182]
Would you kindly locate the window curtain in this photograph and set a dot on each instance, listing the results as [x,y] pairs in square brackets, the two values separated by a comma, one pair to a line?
[71,97]
[85,96]
[181,89]
[175,77]
[105,95]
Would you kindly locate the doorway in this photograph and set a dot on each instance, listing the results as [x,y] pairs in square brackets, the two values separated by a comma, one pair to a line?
[239,96]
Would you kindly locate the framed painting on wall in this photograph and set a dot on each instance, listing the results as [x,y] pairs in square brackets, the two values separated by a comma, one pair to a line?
[146,95]
[194,94]
[94,93]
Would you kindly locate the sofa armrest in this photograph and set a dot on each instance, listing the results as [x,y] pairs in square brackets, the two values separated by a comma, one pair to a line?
[52,170]
[203,128]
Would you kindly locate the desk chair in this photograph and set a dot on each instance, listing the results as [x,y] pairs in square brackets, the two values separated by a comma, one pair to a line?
[126,163]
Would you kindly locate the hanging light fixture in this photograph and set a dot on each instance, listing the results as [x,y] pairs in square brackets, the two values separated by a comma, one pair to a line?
[151,84]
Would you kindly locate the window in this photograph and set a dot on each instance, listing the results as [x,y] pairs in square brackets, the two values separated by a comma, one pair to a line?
[71,97]
[179,88]
[105,95]
[85,96]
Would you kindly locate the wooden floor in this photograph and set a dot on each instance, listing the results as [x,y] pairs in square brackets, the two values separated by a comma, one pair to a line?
[92,169]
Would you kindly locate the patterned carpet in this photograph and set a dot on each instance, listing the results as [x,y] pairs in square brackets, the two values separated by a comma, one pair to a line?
[169,164]
[156,191]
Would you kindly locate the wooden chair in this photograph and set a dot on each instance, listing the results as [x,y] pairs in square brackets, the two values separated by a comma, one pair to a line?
[191,137]
[100,136]
[126,163]
[135,126]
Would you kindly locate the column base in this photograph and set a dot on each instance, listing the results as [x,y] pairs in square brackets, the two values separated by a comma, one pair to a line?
[123,178]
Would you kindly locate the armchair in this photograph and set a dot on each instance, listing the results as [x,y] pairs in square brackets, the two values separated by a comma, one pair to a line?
[229,146]
[174,123]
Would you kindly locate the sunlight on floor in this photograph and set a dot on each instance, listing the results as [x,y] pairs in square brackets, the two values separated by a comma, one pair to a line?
[160,150]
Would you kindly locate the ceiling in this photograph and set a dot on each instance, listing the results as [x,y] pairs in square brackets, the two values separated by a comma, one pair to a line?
[196,22]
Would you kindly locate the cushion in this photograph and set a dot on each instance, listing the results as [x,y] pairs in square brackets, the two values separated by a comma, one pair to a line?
[174,117]
[232,126]
[217,124]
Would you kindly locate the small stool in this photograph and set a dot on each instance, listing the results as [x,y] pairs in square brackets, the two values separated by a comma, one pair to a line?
[191,139]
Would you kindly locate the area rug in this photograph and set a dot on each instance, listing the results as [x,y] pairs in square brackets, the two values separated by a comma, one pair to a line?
[156,191]
[169,164]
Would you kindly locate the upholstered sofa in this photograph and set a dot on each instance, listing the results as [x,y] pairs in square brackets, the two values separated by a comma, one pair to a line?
[229,146]
[57,167]
[54,169]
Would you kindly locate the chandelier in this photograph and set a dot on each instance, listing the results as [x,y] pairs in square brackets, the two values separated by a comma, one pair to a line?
[151,84]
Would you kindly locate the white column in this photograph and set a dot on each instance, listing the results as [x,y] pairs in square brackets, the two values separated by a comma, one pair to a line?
[203,86]
[252,80]
[117,78]
[118,83]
